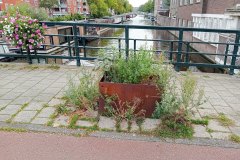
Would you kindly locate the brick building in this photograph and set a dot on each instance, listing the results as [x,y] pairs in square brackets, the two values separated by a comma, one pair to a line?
[182,10]
[65,6]
[71,6]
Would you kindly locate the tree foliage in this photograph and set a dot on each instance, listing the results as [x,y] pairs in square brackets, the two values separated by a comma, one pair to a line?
[166,2]
[48,4]
[26,10]
[147,7]
[100,8]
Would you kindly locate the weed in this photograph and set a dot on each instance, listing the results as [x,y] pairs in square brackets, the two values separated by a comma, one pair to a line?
[4,65]
[7,129]
[52,118]
[84,94]
[225,121]
[31,67]
[14,115]
[88,119]
[200,121]
[62,109]
[235,138]
[73,121]
[210,130]
[53,66]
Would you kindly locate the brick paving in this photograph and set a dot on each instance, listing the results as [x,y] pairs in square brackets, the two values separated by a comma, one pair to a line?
[30,96]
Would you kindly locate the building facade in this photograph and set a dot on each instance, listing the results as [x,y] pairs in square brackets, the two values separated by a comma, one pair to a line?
[70,7]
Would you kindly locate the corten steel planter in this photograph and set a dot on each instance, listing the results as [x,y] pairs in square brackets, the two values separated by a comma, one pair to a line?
[148,94]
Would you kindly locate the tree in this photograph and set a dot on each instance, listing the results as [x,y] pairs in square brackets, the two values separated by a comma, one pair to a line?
[166,2]
[147,7]
[48,4]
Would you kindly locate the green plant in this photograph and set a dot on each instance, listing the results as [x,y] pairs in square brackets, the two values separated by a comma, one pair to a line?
[235,138]
[200,121]
[73,121]
[62,109]
[124,111]
[83,94]
[225,121]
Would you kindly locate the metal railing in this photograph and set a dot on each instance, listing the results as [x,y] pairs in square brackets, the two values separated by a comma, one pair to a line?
[179,57]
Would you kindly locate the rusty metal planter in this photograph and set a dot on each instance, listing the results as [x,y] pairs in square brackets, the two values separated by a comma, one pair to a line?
[148,94]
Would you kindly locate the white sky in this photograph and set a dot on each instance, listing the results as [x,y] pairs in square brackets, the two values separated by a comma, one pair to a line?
[137,3]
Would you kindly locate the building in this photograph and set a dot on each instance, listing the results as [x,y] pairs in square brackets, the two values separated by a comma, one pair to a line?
[65,6]
[70,7]
[212,14]
[161,8]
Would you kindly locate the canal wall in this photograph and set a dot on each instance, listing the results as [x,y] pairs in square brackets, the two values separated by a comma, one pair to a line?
[188,36]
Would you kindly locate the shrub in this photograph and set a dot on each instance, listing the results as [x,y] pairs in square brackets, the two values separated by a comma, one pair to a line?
[71,17]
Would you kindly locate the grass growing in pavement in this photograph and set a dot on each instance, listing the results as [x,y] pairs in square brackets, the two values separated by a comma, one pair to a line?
[53,66]
[30,67]
[224,121]
[73,121]
[52,118]
[235,138]
[210,130]
[14,115]
[7,129]
[200,121]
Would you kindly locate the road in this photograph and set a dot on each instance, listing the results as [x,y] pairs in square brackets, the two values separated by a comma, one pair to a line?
[39,146]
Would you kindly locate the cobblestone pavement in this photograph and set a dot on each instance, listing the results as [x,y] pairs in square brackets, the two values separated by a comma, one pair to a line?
[29,95]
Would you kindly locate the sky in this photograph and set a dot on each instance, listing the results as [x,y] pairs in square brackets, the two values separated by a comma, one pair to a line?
[137,3]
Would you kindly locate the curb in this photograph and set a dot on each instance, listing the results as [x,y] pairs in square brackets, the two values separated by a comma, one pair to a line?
[122,136]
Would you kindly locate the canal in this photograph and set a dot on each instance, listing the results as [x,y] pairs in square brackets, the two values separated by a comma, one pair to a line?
[146,43]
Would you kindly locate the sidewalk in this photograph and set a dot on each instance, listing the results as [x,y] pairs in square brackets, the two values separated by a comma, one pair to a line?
[28,95]
[33,146]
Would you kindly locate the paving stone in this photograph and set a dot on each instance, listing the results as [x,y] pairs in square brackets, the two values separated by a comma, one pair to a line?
[124,126]
[216,126]
[134,127]
[235,130]
[46,112]
[24,116]
[51,90]
[106,123]
[207,112]
[225,110]
[10,109]
[55,102]
[232,100]
[218,102]
[200,131]
[221,135]
[91,113]
[31,93]
[34,106]
[22,100]
[150,124]
[4,103]
[4,118]
[10,95]
[84,123]
[43,98]
[40,121]
[61,121]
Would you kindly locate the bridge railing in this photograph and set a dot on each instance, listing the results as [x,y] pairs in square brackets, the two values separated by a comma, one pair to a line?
[77,47]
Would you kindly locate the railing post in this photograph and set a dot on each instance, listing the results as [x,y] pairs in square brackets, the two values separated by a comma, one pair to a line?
[171,50]
[235,51]
[76,44]
[180,42]
[119,47]
[135,46]
[84,46]
[69,47]
[127,41]
[29,58]
[187,53]
[226,54]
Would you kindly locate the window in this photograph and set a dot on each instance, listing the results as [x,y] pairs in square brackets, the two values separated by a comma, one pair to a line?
[185,2]
[181,2]
[180,22]
[191,2]
[198,1]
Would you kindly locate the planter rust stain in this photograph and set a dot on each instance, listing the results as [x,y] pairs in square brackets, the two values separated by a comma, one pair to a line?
[148,94]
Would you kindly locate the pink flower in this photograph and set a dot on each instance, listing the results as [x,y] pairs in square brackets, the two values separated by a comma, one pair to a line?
[12,20]
[31,40]
[17,37]
[30,47]
[38,31]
